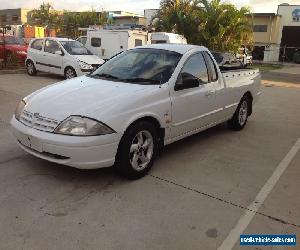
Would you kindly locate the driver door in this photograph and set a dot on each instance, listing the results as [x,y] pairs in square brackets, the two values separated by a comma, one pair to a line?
[192,105]
[52,62]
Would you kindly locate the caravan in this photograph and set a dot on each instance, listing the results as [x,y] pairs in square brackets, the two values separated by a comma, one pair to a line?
[107,43]
[163,37]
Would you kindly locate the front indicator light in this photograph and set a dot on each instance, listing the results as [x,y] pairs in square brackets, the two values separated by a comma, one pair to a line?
[19,109]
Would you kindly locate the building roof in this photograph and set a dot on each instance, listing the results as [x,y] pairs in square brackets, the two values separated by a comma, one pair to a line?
[179,48]
[262,14]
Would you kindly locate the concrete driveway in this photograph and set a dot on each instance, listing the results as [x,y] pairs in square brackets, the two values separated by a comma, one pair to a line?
[201,193]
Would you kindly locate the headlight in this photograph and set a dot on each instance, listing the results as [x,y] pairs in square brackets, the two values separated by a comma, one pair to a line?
[19,109]
[21,52]
[85,66]
[82,126]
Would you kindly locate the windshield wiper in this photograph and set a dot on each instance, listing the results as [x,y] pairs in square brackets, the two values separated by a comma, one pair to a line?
[141,80]
[108,76]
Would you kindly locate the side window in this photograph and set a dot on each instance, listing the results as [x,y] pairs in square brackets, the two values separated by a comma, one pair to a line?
[212,69]
[82,40]
[37,44]
[95,42]
[195,66]
[51,46]
[138,42]
[158,41]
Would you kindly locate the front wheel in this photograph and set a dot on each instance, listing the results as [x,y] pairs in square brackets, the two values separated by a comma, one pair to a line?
[240,117]
[70,73]
[31,70]
[137,150]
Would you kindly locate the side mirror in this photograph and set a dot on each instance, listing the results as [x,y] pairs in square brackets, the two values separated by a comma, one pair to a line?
[186,81]
[59,52]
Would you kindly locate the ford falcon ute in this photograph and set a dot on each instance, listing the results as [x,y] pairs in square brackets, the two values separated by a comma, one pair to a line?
[127,110]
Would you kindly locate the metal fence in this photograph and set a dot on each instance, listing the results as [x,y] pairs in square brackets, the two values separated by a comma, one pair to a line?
[282,54]
[289,54]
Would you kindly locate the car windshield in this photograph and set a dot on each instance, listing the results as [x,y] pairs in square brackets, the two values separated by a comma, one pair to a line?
[14,40]
[140,66]
[75,48]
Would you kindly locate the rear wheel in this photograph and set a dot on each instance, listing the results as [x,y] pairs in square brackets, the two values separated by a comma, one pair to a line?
[137,150]
[240,117]
[31,70]
[70,73]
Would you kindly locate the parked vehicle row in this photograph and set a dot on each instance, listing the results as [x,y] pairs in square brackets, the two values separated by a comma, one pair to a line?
[124,112]
[71,58]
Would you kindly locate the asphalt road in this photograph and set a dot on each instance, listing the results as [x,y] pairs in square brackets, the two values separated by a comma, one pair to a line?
[281,77]
[194,198]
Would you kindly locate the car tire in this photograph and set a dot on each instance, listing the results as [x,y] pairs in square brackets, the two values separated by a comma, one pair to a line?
[70,73]
[31,70]
[240,117]
[137,150]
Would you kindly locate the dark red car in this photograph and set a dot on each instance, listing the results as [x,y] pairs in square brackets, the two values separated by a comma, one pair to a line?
[13,48]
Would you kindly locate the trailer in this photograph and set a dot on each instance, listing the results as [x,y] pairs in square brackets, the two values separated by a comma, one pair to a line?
[107,43]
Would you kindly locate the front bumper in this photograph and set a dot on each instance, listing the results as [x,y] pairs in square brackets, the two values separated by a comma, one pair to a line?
[80,152]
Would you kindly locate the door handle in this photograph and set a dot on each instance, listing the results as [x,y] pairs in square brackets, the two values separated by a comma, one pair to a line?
[209,93]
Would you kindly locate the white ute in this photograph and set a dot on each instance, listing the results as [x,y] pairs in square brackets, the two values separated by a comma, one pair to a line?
[130,107]
[60,56]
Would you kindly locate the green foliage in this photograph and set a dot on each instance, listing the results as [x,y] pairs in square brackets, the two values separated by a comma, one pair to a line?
[66,23]
[71,21]
[216,25]
[45,16]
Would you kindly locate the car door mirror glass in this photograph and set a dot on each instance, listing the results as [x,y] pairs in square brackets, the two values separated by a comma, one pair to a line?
[186,81]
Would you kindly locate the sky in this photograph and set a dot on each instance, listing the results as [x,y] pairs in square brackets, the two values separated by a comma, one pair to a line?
[136,6]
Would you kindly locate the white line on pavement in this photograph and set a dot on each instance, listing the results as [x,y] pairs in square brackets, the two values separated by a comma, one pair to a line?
[246,218]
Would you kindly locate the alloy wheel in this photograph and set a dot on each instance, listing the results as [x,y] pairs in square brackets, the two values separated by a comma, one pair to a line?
[243,113]
[141,150]
[70,73]
[30,68]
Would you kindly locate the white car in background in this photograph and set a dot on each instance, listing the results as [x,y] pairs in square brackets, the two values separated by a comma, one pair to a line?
[60,56]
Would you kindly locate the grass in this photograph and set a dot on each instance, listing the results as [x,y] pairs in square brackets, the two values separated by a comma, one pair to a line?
[266,67]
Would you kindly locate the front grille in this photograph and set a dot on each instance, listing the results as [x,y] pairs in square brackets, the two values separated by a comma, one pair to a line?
[36,121]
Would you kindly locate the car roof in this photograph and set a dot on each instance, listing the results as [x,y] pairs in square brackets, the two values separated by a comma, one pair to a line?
[179,48]
[60,39]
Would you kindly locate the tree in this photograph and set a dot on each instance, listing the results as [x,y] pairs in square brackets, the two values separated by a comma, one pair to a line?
[179,16]
[225,26]
[45,16]
[71,21]
[66,23]
[219,26]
